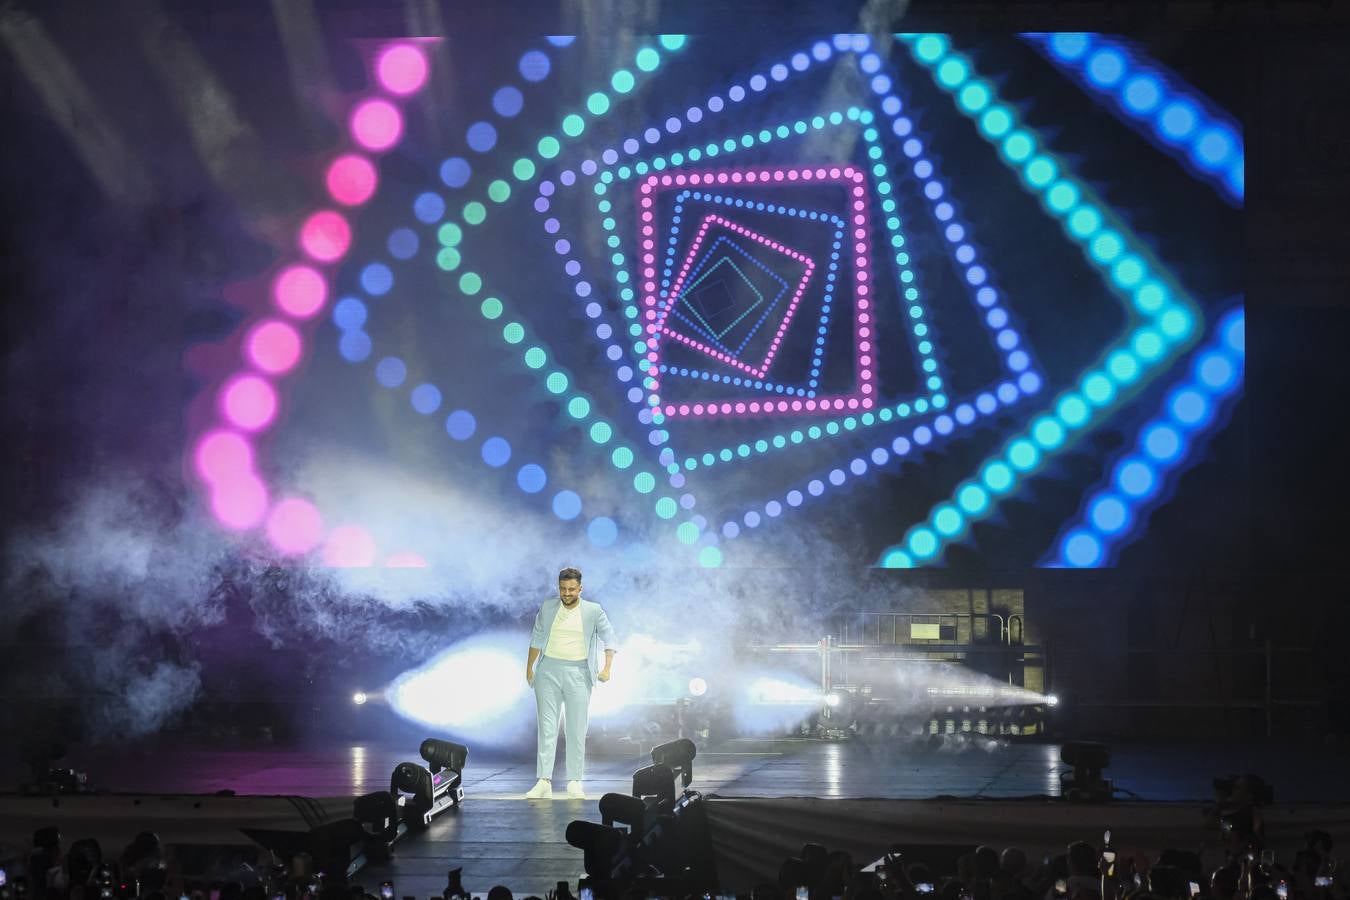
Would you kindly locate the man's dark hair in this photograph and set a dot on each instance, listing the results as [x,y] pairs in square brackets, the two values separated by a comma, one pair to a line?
[569,574]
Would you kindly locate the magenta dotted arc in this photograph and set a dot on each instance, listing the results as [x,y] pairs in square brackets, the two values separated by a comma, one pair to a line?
[246,400]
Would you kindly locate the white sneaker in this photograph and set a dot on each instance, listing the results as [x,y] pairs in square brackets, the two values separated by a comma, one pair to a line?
[574,791]
[542,790]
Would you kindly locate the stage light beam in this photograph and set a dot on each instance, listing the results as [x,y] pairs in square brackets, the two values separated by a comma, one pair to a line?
[226,144]
[306,57]
[475,690]
[74,109]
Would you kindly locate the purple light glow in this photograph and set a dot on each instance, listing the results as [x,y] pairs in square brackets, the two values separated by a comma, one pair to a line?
[240,503]
[294,526]
[273,346]
[402,69]
[377,125]
[223,456]
[300,291]
[349,546]
[326,236]
[351,180]
[249,402]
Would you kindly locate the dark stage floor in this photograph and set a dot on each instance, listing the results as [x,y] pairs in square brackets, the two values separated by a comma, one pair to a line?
[499,837]
[763,769]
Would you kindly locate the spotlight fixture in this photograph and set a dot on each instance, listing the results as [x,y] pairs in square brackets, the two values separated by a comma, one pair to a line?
[416,795]
[669,775]
[377,812]
[444,755]
[360,698]
[629,811]
[658,784]
[1052,699]
[424,793]
[1085,783]
[41,755]
[411,785]
[697,687]
[666,846]
[604,849]
[679,755]
[838,717]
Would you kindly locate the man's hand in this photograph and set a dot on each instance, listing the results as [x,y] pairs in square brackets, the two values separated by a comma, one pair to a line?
[529,676]
[604,674]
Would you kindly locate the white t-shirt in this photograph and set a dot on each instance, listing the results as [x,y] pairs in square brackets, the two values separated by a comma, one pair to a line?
[565,639]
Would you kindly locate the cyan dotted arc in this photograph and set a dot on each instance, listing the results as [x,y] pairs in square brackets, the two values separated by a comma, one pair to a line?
[1050,432]
[1116,510]
[1156,103]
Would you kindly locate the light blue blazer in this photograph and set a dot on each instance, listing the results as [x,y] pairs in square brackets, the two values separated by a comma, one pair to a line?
[596,632]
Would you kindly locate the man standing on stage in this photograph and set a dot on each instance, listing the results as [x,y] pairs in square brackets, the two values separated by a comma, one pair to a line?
[567,632]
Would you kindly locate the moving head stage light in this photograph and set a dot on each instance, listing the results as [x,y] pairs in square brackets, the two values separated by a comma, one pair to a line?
[416,795]
[678,756]
[1085,782]
[666,846]
[422,793]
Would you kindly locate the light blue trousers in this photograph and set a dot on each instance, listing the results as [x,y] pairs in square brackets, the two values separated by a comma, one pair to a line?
[562,689]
